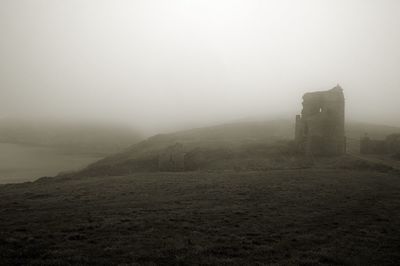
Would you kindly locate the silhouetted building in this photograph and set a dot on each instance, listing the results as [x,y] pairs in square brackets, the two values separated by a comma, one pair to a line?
[320,129]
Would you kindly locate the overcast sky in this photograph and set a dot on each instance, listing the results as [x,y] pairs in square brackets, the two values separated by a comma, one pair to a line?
[160,64]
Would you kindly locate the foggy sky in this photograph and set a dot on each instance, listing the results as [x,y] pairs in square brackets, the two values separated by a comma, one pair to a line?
[160,64]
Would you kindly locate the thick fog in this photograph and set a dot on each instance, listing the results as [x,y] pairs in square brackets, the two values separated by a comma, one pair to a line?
[161,65]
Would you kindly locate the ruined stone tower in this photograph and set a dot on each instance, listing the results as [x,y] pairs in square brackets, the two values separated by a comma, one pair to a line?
[320,128]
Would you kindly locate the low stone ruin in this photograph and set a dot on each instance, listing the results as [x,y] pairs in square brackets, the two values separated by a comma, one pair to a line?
[172,159]
[390,145]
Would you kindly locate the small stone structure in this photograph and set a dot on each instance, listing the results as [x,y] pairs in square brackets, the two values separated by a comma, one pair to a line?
[172,159]
[195,159]
[390,145]
[320,129]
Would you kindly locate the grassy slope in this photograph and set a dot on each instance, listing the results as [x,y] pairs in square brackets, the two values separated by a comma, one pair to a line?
[290,217]
[210,137]
[228,137]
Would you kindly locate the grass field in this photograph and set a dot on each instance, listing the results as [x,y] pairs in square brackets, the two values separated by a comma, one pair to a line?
[285,217]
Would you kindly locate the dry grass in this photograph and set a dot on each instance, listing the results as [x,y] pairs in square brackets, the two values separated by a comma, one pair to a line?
[285,217]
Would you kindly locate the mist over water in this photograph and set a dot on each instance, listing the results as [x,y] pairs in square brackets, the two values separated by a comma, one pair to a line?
[21,163]
[165,65]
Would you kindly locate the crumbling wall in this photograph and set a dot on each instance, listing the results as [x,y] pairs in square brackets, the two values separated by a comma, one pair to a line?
[390,145]
[393,143]
[172,159]
[195,159]
[320,129]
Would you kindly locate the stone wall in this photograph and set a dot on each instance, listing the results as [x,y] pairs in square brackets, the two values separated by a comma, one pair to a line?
[390,145]
[172,159]
[320,129]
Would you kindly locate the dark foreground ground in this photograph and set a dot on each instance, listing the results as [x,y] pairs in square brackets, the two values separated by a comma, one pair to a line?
[305,217]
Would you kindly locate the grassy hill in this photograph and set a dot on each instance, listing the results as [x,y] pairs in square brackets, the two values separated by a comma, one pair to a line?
[250,145]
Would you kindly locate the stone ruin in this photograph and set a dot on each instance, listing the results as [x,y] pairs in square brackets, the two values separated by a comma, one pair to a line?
[172,159]
[320,129]
[177,158]
[390,145]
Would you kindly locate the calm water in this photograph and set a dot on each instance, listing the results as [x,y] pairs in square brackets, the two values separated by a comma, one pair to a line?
[20,163]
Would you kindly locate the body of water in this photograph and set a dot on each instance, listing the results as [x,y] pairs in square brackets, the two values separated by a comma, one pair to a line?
[20,163]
